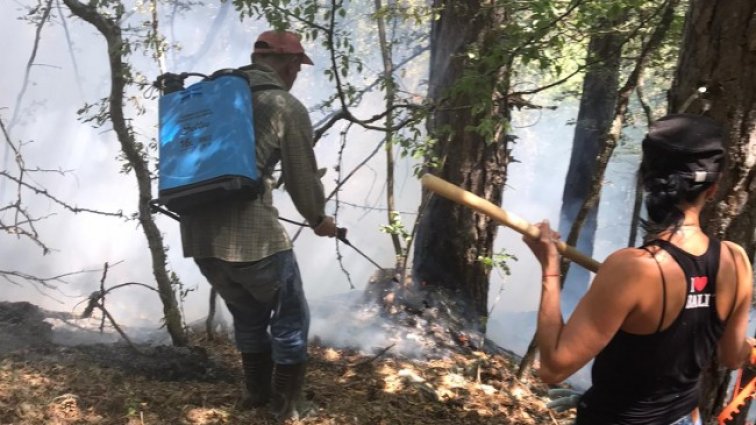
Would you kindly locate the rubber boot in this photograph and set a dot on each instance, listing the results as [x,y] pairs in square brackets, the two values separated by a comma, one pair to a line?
[258,369]
[287,401]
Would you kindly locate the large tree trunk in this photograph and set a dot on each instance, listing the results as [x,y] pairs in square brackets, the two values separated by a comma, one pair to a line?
[719,52]
[594,120]
[450,237]
[609,141]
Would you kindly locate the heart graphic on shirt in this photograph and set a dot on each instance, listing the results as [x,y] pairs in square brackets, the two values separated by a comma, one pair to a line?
[700,282]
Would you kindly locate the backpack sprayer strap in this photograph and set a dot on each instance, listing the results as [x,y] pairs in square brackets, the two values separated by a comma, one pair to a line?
[272,160]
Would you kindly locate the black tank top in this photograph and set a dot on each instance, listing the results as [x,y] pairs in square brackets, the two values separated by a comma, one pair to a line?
[653,379]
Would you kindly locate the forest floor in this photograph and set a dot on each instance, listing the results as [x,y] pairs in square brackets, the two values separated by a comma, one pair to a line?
[42,382]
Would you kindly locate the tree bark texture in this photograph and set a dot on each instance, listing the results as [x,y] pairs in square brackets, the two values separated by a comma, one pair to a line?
[719,53]
[450,237]
[388,75]
[210,321]
[134,155]
[611,138]
[594,120]
[608,143]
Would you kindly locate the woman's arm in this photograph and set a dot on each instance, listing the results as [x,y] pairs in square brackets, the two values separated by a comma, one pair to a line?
[734,349]
[566,347]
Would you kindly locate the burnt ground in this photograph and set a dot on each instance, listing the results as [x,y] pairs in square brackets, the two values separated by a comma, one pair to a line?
[42,382]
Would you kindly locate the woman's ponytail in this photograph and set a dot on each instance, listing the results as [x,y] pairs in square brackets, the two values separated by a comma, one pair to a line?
[663,195]
[683,155]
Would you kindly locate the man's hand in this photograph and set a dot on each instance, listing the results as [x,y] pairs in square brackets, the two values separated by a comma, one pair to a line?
[327,227]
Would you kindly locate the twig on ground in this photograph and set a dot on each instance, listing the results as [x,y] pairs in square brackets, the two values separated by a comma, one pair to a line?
[376,356]
[118,328]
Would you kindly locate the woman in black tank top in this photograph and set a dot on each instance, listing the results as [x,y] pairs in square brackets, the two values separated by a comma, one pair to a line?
[653,316]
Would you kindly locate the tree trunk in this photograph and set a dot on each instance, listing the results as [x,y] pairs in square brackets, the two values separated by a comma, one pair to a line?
[390,84]
[608,143]
[719,53]
[210,321]
[135,156]
[451,238]
[593,122]
[638,203]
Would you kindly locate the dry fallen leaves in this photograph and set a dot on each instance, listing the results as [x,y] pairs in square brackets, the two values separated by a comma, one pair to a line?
[65,387]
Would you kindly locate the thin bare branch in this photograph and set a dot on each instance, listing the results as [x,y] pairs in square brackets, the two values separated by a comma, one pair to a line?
[156,40]
[118,329]
[334,65]
[341,181]
[375,357]
[31,234]
[610,139]
[290,14]
[344,114]
[361,93]
[571,8]
[373,207]
[632,34]
[339,256]
[29,64]
[69,43]
[48,195]
[638,198]
[44,281]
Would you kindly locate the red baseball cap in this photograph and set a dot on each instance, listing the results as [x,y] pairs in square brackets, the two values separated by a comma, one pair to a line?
[281,42]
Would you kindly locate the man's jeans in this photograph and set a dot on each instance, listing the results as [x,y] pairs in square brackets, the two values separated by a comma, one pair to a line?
[262,294]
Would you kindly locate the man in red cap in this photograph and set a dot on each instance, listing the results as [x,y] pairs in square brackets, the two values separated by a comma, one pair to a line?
[243,250]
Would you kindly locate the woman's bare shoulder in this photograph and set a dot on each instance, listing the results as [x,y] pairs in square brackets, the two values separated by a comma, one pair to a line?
[736,249]
[738,261]
[628,264]
[631,258]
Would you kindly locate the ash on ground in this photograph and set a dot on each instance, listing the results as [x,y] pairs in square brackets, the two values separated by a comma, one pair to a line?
[416,323]
[30,332]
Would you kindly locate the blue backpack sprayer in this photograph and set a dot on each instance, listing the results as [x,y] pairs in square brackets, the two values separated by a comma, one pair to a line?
[206,144]
[206,141]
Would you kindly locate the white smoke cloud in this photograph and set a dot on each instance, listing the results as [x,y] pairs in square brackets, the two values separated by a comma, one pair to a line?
[85,241]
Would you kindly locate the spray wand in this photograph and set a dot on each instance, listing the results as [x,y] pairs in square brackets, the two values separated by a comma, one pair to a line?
[340,232]
[341,235]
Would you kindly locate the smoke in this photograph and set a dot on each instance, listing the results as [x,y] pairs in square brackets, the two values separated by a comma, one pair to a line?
[57,140]
[345,321]
[85,241]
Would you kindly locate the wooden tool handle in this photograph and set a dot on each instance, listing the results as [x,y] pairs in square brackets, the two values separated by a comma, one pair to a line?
[463,197]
